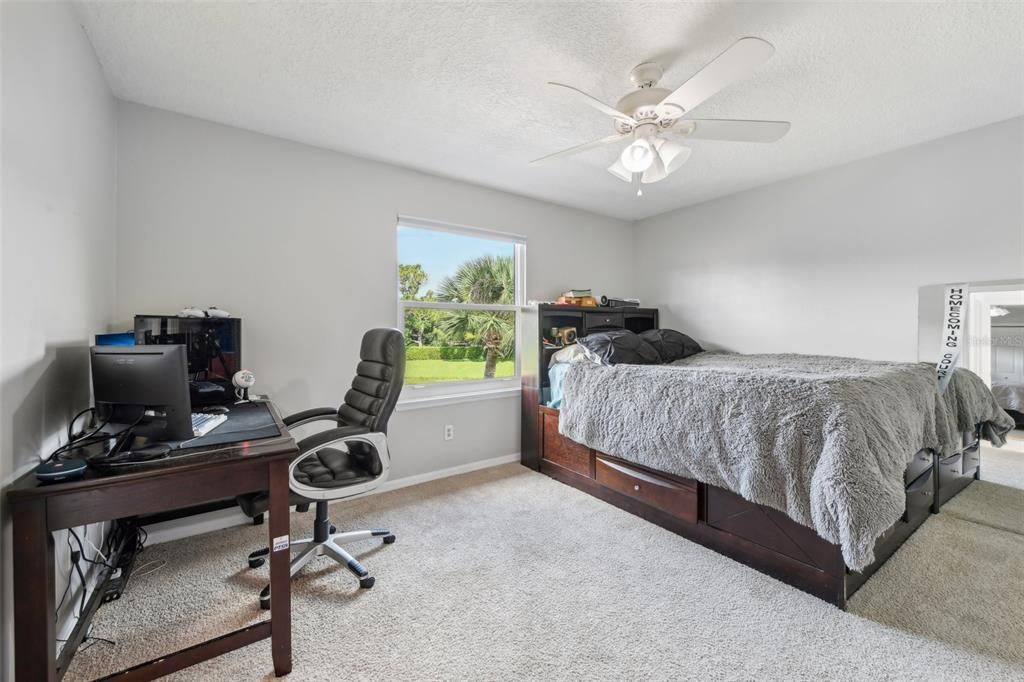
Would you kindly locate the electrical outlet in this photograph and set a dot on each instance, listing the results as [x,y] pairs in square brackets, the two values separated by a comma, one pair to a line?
[449,431]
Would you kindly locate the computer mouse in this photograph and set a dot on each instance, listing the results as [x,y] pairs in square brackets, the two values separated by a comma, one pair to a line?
[216,409]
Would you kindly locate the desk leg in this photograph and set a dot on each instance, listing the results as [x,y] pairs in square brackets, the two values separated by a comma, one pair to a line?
[280,577]
[35,645]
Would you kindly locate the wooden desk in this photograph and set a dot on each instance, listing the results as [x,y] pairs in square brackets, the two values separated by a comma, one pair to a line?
[210,473]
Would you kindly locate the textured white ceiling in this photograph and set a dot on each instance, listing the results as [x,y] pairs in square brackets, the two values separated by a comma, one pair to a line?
[458,88]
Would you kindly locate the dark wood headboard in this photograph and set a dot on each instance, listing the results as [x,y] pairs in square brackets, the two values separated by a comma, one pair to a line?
[537,323]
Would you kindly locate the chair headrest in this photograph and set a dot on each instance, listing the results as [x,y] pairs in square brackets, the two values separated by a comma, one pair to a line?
[385,346]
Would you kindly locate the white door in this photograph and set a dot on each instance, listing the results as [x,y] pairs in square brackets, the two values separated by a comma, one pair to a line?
[1008,355]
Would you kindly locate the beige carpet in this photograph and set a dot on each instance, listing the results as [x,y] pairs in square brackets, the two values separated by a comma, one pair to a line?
[1005,465]
[989,504]
[507,574]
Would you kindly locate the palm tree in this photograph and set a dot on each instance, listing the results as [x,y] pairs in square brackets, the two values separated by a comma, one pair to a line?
[487,279]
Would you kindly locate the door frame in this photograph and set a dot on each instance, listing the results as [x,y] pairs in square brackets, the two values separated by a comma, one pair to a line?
[978,350]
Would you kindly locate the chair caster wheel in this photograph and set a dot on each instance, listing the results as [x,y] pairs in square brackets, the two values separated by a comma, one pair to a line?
[256,559]
[333,529]
[389,539]
[265,598]
[365,583]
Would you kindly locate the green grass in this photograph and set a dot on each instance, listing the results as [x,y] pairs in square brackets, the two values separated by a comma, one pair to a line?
[433,371]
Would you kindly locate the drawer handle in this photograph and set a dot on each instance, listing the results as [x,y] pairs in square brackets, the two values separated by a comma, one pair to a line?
[636,487]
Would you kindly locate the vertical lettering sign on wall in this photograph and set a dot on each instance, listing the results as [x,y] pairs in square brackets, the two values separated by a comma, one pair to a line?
[954,320]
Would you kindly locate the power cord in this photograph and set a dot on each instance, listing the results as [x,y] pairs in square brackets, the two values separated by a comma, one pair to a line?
[160,563]
[82,440]
[71,424]
[78,556]
[81,550]
[75,558]
[92,640]
[91,438]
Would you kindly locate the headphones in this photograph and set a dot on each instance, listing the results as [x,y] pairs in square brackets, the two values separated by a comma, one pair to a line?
[243,380]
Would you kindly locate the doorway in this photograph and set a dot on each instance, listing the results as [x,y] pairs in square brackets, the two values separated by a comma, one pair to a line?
[996,354]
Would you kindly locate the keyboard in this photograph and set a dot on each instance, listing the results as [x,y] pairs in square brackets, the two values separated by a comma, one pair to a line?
[202,424]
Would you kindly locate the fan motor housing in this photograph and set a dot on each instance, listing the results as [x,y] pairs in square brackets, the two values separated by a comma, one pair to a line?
[642,105]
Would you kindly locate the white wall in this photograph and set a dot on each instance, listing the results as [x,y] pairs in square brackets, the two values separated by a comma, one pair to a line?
[300,242]
[831,262]
[57,247]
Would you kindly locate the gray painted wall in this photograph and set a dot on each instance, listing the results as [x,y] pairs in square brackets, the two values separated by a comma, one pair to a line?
[300,242]
[831,262]
[57,245]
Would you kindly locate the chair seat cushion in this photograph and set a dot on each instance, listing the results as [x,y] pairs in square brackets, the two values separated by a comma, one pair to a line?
[331,468]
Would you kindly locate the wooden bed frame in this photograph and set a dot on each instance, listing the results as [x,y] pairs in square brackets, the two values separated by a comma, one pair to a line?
[760,537]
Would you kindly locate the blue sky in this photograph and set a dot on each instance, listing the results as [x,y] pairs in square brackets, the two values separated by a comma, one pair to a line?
[440,253]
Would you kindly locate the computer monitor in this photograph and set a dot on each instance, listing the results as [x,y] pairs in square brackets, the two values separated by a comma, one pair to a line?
[116,339]
[213,346]
[144,389]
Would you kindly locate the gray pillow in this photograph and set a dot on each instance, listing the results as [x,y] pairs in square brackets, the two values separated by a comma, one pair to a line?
[619,347]
[670,344]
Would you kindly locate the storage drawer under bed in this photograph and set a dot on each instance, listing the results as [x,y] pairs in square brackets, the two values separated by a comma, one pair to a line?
[922,462]
[560,450]
[920,494]
[678,498]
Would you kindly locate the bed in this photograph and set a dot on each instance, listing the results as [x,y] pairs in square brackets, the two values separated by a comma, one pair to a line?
[809,468]
[1010,397]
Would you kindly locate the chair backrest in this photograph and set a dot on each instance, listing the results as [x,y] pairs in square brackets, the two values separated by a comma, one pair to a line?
[378,381]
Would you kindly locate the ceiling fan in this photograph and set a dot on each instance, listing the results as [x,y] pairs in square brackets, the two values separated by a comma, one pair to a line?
[653,117]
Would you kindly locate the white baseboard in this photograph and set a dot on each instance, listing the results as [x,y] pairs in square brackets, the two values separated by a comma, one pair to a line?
[195,525]
[445,473]
[229,518]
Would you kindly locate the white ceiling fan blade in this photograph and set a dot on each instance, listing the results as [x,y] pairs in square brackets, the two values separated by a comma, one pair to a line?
[598,104]
[745,55]
[620,171]
[580,148]
[737,131]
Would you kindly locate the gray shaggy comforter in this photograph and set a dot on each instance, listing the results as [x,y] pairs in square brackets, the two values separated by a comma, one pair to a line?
[824,439]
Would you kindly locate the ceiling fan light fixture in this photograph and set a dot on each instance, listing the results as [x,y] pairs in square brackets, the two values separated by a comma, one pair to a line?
[657,170]
[620,171]
[673,155]
[638,156]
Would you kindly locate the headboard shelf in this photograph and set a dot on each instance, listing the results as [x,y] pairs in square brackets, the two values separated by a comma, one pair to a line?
[537,322]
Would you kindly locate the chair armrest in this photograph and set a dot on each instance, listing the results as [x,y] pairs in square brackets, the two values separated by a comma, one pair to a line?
[325,438]
[307,416]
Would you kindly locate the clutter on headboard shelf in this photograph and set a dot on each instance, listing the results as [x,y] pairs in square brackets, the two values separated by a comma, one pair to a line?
[584,301]
[620,302]
[580,297]
[609,302]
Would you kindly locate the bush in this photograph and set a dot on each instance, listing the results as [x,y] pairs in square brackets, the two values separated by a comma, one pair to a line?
[475,353]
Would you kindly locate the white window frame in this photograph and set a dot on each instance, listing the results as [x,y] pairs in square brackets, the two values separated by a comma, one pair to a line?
[447,392]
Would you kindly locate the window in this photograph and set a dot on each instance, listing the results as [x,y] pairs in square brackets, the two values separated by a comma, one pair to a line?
[459,293]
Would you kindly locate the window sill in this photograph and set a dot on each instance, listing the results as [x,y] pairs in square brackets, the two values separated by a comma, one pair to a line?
[406,404]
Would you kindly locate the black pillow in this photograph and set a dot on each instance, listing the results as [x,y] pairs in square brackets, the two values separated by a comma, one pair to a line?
[670,344]
[620,347]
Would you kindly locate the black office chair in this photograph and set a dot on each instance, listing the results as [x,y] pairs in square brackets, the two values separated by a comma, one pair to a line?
[347,460]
